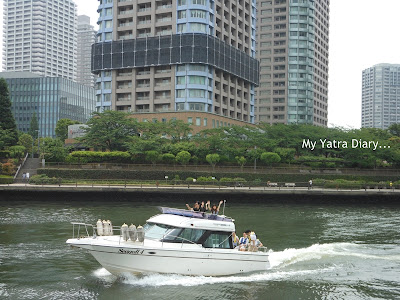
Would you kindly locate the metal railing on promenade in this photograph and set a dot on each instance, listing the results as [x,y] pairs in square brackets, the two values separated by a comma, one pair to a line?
[180,184]
[292,169]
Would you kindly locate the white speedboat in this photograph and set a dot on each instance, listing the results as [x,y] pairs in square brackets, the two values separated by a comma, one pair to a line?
[175,241]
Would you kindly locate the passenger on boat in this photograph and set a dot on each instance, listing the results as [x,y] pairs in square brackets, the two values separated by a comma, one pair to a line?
[197,206]
[214,209]
[258,243]
[252,240]
[235,240]
[243,242]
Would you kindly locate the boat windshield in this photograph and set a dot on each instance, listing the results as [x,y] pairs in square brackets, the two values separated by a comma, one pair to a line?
[159,231]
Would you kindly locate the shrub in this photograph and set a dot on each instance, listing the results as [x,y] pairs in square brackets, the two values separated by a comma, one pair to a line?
[239,179]
[43,179]
[168,158]
[226,179]
[189,179]
[98,156]
[9,167]
[183,157]
[6,179]
[4,154]
[270,158]
[153,156]
[206,179]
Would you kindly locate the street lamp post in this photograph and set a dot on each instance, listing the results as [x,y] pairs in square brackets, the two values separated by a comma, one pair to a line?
[38,142]
[255,158]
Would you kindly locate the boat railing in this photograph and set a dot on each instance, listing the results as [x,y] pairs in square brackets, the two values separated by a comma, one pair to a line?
[250,248]
[81,230]
[262,249]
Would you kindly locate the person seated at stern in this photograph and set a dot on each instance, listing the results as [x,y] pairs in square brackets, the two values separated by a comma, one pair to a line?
[243,242]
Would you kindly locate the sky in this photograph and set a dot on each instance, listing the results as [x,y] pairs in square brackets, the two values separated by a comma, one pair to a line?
[363,33]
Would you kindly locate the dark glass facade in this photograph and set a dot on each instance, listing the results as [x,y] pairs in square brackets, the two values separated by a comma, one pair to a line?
[52,98]
[173,50]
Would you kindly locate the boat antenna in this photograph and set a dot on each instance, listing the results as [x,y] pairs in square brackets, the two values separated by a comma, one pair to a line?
[223,209]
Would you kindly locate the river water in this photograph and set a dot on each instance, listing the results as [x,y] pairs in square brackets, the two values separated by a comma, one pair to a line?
[318,251]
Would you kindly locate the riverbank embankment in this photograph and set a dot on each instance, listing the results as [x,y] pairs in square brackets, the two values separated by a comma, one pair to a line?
[192,193]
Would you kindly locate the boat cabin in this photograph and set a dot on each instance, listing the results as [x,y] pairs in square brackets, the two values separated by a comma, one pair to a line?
[182,226]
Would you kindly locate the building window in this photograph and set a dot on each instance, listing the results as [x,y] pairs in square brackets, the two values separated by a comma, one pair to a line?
[197,13]
[180,80]
[182,14]
[181,28]
[197,93]
[190,120]
[108,24]
[205,122]
[180,93]
[197,80]
[199,2]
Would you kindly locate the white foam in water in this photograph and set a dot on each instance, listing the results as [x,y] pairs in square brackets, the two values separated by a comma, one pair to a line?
[157,280]
[102,272]
[105,275]
[321,251]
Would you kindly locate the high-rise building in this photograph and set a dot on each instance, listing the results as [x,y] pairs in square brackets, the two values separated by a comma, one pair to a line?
[293,48]
[380,96]
[181,56]
[40,37]
[86,38]
[51,98]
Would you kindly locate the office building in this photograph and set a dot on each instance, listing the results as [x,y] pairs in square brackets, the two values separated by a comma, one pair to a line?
[51,98]
[40,37]
[86,38]
[380,96]
[293,49]
[182,56]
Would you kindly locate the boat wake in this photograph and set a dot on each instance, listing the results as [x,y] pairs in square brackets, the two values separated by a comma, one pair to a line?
[286,264]
[158,280]
[325,253]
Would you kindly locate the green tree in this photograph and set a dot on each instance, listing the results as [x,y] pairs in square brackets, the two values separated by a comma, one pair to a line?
[270,158]
[34,126]
[241,161]
[53,149]
[286,154]
[17,151]
[168,158]
[153,156]
[6,138]
[213,159]
[7,121]
[178,130]
[26,140]
[395,129]
[183,157]
[62,128]
[110,130]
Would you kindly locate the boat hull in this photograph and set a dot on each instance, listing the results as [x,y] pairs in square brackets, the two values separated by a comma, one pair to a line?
[137,258]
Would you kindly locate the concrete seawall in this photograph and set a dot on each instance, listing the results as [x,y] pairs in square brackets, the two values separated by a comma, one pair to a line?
[192,193]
